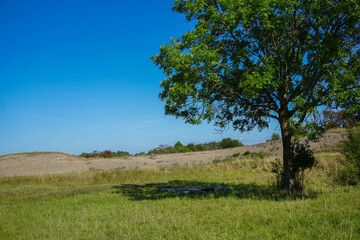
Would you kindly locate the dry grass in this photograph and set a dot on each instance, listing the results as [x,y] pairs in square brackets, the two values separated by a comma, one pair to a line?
[35,153]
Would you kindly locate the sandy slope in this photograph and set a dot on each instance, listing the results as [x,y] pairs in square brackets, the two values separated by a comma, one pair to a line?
[25,164]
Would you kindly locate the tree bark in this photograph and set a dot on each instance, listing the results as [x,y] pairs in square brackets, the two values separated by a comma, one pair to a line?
[289,176]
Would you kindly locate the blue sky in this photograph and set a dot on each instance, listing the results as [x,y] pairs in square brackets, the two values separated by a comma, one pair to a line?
[76,76]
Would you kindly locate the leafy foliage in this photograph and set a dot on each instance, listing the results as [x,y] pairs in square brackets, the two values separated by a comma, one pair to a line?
[278,169]
[350,172]
[104,154]
[255,155]
[191,147]
[122,153]
[275,137]
[302,159]
[339,119]
[230,143]
[248,61]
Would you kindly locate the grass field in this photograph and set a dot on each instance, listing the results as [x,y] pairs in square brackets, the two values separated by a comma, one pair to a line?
[96,205]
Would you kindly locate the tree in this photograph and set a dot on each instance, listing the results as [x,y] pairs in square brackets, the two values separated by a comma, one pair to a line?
[230,143]
[178,144]
[275,137]
[249,61]
[339,119]
[333,119]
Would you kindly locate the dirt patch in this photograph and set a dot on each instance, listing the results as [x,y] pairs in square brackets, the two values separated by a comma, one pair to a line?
[25,164]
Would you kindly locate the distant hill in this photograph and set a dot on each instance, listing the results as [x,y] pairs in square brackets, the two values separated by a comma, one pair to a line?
[39,163]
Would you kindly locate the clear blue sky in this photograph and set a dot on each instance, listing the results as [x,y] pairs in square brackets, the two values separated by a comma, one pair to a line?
[76,76]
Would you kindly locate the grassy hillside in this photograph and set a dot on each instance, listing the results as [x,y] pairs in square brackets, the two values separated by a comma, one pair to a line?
[97,204]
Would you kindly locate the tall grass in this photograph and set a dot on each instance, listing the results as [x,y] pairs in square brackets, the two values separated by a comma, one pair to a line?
[127,204]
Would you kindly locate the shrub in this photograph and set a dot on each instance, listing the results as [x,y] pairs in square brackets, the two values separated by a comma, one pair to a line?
[350,172]
[140,154]
[162,149]
[191,147]
[247,153]
[261,155]
[255,155]
[277,169]
[331,119]
[275,137]
[180,148]
[122,153]
[106,154]
[212,146]
[230,143]
[302,159]
[178,145]
[199,147]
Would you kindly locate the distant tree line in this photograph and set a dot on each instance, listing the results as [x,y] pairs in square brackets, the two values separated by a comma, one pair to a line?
[191,147]
[104,154]
[337,119]
[165,149]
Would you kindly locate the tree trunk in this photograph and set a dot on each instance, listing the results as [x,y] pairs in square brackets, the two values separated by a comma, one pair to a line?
[289,176]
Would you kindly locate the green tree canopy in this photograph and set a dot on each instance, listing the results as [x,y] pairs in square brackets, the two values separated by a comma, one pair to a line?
[178,144]
[275,137]
[247,61]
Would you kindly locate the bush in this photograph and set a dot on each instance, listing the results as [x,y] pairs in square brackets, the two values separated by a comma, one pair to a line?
[230,143]
[212,146]
[180,148]
[247,153]
[275,137]
[122,154]
[178,145]
[277,168]
[87,155]
[301,160]
[331,119]
[106,154]
[350,172]
[191,147]
[255,155]
[261,155]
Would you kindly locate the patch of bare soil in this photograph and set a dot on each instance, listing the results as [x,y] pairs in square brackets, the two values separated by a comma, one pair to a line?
[25,164]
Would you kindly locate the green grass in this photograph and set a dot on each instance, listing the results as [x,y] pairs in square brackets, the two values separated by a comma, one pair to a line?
[97,205]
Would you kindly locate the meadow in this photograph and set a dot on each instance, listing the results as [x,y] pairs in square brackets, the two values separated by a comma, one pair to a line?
[128,204]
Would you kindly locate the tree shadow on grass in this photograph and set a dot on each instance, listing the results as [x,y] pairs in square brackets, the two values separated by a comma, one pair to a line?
[152,191]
